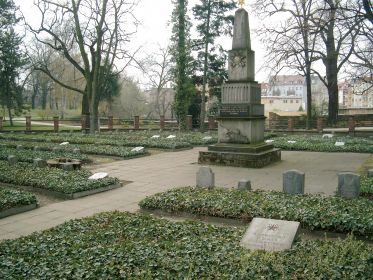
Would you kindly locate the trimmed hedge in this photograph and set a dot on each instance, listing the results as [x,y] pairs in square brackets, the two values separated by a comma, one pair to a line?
[29,155]
[13,198]
[366,185]
[135,138]
[108,150]
[131,246]
[120,139]
[53,179]
[312,211]
[319,144]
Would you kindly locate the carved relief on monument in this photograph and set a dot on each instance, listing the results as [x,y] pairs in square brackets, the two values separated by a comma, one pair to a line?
[237,60]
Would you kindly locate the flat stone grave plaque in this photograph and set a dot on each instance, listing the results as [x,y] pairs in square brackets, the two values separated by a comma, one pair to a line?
[270,235]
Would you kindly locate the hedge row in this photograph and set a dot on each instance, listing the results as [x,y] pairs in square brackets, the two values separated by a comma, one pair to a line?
[53,179]
[131,246]
[312,211]
[319,144]
[30,155]
[13,198]
[120,139]
[366,185]
[108,150]
[135,138]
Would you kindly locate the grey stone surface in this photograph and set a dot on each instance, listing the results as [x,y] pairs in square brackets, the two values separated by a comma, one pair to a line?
[348,184]
[41,163]
[19,147]
[293,182]
[237,93]
[270,235]
[67,166]
[76,151]
[370,173]
[244,185]
[12,159]
[241,131]
[205,177]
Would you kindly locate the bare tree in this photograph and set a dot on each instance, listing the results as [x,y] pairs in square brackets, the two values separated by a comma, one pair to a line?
[336,25]
[361,61]
[290,44]
[91,36]
[157,69]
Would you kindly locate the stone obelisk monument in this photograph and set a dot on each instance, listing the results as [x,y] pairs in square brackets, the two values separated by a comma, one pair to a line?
[241,114]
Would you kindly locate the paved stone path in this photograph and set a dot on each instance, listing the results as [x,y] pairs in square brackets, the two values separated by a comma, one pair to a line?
[163,171]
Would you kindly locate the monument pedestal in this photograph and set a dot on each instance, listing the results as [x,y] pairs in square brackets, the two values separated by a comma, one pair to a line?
[240,155]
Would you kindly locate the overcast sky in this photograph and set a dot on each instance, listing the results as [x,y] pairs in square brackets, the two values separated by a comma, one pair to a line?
[154,16]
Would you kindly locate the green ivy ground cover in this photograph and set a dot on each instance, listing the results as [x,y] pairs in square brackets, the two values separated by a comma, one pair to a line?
[29,155]
[319,144]
[135,138]
[108,150]
[13,198]
[366,185]
[132,246]
[53,179]
[312,211]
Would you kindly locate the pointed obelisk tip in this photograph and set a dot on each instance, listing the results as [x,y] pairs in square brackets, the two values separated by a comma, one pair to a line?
[241,32]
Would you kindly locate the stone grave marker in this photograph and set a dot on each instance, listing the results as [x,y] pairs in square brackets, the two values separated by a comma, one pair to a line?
[244,185]
[370,173]
[137,149]
[12,159]
[270,235]
[41,163]
[205,177]
[76,151]
[67,166]
[19,147]
[348,184]
[293,182]
[98,175]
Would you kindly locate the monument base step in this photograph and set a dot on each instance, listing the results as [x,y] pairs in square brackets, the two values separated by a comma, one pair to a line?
[253,156]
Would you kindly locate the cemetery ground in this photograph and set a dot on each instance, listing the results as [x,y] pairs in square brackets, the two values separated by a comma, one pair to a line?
[138,246]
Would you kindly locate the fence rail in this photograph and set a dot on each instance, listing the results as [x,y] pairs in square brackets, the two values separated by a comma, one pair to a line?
[274,122]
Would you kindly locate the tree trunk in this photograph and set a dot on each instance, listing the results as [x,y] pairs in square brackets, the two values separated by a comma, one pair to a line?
[205,66]
[309,96]
[85,110]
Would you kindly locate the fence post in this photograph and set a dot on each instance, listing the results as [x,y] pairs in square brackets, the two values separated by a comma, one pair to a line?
[1,122]
[83,122]
[136,122]
[211,122]
[161,122]
[189,122]
[320,124]
[28,123]
[351,124]
[271,120]
[290,124]
[56,124]
[110,122]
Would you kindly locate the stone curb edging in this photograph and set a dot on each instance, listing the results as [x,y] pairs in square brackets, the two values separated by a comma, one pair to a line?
[17,210]
[66,195]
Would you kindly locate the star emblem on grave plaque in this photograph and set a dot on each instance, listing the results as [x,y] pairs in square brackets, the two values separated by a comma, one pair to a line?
[272,227]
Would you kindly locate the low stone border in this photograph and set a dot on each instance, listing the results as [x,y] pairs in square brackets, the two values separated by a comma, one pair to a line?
[17,209]
[66,195]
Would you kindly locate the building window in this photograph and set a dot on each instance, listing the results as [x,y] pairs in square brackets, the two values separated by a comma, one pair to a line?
[296,101]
